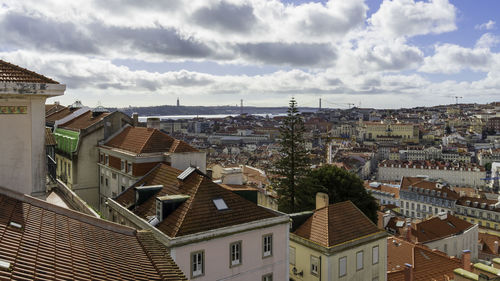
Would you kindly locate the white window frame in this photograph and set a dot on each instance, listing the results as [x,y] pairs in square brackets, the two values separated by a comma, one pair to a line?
[129,168]
[197,260]
[343,266]
[122,165]
[235,252]
[267,245]
[375,254]
[359,260]
[314,265]
[106,159]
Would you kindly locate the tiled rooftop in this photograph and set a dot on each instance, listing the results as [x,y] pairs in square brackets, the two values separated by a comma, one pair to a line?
[83,121]
[335,224]
[54,243]
[406,182]
[198,213]
[437,228]
[427,264]
[147,140]
[13,73]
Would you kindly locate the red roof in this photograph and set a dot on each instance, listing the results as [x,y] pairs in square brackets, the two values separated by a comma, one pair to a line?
[147,140]
[83,121]
[53,243]
[198,213]
[439,228]
[13,73]
[427,264]
[335,224]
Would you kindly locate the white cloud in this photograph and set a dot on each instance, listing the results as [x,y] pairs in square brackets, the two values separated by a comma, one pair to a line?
[486,26]
[488,41]
[449,59]
[410,18]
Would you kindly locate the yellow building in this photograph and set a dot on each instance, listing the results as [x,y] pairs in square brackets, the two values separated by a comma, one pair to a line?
[336,242]
[379,131]
[484,212]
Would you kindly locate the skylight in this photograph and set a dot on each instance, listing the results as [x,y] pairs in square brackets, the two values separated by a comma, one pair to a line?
[220,204]
[4,265]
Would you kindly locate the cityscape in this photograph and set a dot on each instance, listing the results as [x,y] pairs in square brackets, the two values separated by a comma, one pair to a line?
[285,140]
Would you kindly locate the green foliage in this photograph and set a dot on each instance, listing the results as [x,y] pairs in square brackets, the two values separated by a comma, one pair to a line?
[293,163]
[487,166]
[340,185]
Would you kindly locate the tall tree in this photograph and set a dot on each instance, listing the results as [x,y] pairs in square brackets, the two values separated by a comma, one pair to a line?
[340,185]
[293,163]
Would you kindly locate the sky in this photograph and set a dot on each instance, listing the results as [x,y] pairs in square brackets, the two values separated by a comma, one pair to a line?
[370,53]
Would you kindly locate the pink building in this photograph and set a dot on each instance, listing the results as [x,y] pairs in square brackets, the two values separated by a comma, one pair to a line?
[211,232]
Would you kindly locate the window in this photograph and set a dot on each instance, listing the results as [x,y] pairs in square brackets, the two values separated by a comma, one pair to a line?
[197,264]
[375,255]
[122,167]
[446,248]
[129,168]
[235,254]
[102,179]
[314,265]
[359,260]
[114,176]
[342,266]
[267,245]
[292,255]
[267,277]
[106,180]
[106,159]
[101,158]
[123,188]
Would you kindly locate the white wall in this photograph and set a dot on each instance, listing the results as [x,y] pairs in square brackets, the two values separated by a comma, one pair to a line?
[253,265]
[184,160]
[457,243]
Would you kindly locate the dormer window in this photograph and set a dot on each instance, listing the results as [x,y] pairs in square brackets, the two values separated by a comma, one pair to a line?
[220,204]
[129,168]
[122,167]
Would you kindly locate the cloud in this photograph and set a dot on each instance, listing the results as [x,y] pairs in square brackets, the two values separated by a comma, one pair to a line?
[298,54]
[225,16]
[486,26]
[450,58]
[488,41]
[409,18]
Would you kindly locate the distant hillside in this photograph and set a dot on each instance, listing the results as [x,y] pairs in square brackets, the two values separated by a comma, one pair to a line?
[203,110]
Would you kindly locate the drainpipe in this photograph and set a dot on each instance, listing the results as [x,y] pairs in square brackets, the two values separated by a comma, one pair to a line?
[320,268]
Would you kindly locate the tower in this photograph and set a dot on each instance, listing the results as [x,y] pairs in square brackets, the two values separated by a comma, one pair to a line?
[178,103]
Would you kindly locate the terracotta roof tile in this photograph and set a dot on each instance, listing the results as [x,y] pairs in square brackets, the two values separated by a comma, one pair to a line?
[406,182]
[488,242]
[83,121]
[427,264]
[335,224]
[13,73]
[59,114]
[57,243]
[437,228]
[147,140]
[198,213]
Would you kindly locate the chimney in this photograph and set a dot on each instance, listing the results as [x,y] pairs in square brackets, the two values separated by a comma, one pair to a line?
[321,200]
[135,118]
[408,232]
[408,272]
[466,260]
[495,247]
[153,122]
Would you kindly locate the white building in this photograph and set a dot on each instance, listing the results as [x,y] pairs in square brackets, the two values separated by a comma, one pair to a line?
[212,233]
[459,174]
[22,123]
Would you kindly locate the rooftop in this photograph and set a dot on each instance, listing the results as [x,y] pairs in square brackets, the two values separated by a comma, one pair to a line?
[147,140]
[83,121]
[198,213]
[336,224]
[439,227]
[427,264]
[46,242]
[13,73]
